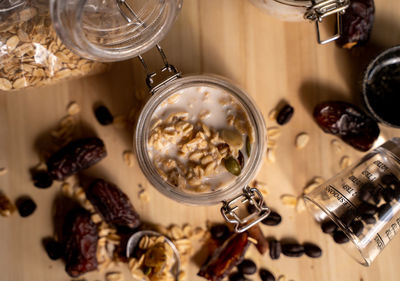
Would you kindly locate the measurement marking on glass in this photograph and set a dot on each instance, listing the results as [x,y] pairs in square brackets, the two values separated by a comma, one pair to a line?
[343,198]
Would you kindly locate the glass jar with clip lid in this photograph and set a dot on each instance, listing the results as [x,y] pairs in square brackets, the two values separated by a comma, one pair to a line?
[312,10]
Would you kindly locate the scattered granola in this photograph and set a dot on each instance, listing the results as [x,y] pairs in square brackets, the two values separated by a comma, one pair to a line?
[73,108]
[302,140]
[345,162]
[6,206]
[129,158]
[204,148]
[289,200]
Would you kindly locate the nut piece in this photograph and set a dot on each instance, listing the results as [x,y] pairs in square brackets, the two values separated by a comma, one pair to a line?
[114,276]
[6,207]
[271,155]
[337,147]
[345,162]
[273,132]
[129,158]
[302,140]
[273,114]
[73,108]
[289,200]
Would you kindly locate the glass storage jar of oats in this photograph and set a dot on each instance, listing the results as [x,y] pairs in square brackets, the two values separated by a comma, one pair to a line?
[200,140]
[42,41]
[298,10]
[360,207]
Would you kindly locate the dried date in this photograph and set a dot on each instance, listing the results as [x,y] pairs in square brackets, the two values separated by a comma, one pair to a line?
[225,258]
[76,156]
[357,23]
[113,205]
[81,244]
[348,122]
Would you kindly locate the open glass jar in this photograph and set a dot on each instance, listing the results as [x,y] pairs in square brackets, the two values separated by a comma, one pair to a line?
[361,205]
[312,10]
[200,140]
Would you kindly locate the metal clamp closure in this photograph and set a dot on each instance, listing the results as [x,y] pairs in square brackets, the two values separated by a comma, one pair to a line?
[255,198]
[171,72]
[324,9]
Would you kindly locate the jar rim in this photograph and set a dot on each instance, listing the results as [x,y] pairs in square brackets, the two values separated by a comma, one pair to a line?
[219,195]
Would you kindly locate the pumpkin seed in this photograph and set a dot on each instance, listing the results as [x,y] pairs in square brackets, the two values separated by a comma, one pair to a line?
[232,165]
[248,146]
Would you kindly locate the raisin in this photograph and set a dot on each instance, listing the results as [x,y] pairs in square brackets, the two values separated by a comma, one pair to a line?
[348,122]
[42,179]
[81,245]
[26,206]
[113,205]
[285,114]
[357,23]
[103,115]
[76,156]
[54,249]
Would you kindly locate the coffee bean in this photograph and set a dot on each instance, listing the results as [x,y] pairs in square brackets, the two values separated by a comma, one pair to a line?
[328,226]
[368,219]
[25,205]
[340,237]
[273,219]
[389,179]
[385,212]
[357,227]
[312,250]
[388,194]
[265,275]
[103,115]
[42,179]
[220,232]
[248,267]
[292,250]
[54,249]
[376,196]
[237,276]
[285,114]
[275,249]
[367,209]
[366,191]
[348,216]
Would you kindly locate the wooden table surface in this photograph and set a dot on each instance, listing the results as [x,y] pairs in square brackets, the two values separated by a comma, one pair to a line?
[271,60]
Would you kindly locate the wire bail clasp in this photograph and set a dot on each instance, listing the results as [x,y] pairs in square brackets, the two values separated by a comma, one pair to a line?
[255,198]
[324,9]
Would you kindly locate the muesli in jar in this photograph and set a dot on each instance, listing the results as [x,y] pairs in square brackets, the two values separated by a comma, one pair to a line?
[200,139]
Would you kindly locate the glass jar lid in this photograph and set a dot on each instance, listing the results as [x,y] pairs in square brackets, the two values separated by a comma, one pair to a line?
[112,30]
[146,124]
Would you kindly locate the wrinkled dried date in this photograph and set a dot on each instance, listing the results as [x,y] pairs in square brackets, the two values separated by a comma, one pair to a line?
[76,156]
[225,258]
[357,23]
[81,244]
[54,249]
[42,179]
[348,122]
[113,205]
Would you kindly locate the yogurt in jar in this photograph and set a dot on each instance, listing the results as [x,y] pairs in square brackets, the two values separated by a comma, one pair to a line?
[200,139]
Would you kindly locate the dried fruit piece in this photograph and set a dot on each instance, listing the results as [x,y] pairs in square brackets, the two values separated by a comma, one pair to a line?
[225,258]
[26,206]
[42,179]
[81,243]
[302,140]
[76,156]
[348,122]
[54,249]
[112,204]
[357,23]
[285,114]
[256,233]
[232,165]
[6,206]
[103,115]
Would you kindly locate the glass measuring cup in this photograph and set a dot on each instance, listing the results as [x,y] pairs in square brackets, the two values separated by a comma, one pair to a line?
[315,11]
[232,194]
[363,202]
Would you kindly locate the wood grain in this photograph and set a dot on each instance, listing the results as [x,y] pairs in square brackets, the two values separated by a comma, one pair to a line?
[271,60]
